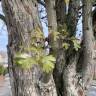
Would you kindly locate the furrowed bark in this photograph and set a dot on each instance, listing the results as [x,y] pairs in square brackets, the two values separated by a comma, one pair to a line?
[72,17]
[21,21]
[52,23]
[63,68]
[22,18]
[71,79]
[60,54]
[60,12]
[88,44]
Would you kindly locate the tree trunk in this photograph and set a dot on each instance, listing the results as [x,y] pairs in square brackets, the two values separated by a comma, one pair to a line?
[65,72]
[22,18]
[71,79]
[52,27]
[60,54]
[88,44]
[60,12]
[72,17]
[21,21]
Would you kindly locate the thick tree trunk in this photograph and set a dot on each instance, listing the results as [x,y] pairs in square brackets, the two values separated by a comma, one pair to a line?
[22,18]
[71,79]
[65,72]
[88,43]
[21,21]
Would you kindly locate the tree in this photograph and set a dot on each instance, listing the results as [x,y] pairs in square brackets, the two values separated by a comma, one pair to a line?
[88,42]
[71,72]
[67,76]
[22,22]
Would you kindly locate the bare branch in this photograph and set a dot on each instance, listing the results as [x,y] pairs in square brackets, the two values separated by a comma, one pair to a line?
[44,17]
[2,17]
[41,2]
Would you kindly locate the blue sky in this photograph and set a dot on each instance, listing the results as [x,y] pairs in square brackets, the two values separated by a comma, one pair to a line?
[3,34]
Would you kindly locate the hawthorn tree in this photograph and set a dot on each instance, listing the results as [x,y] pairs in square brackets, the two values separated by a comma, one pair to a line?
[67,69]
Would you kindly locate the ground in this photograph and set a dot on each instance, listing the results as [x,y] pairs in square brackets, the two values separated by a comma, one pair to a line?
[5,89]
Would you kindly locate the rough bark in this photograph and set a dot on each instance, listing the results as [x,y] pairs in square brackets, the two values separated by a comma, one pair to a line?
[60,8]
[62,72]
[22,18]
[51,14]
[52,23]
[88,43]
[71,79]
[21,21]
[52,27]
[60,12]
[72,17]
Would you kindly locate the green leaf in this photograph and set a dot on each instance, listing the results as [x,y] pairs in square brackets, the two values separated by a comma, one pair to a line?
[76,45]
[38,33]
[48,66]
[48,63]
[66,45]
[51,58]
[66,1]
[21,55]
[73,38]
[24,61]
[27,63]
[33,48]
[55,35]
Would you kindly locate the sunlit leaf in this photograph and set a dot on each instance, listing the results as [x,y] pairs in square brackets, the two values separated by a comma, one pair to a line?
[55,35]
[66,1]
[25,63]
[48,63]
[66,45]
[76,45]
[48,67]
[38,32]
[21,55]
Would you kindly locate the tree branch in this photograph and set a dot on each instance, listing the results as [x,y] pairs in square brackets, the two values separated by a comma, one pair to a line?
[2,17]
[41,2]
[94,5]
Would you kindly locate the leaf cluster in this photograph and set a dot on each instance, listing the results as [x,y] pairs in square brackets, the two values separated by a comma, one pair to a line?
[68,41]
[25,61]
[2,70]
[37,56]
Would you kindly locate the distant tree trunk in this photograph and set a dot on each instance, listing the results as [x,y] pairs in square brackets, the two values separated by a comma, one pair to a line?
[22,18]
